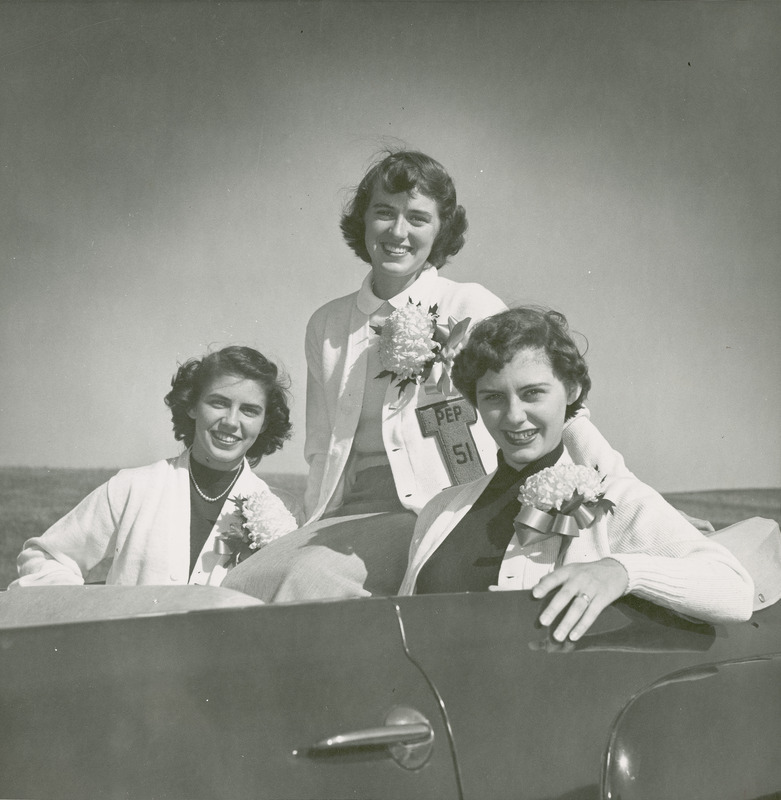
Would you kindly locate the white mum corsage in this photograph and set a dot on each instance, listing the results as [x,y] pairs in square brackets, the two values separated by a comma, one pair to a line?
[264,517]
[560,499]
[411,344]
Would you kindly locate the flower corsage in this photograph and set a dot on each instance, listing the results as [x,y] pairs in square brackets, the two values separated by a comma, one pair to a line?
[264,517]
[412,344]
[558,500]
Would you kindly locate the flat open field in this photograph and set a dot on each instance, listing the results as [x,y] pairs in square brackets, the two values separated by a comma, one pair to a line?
[31,499]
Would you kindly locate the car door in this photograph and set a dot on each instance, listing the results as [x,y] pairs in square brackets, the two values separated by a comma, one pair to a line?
[531,719]
[259,702]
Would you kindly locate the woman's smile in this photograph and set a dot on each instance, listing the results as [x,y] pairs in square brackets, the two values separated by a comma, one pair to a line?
[395,250]
[520,438]
[223,438]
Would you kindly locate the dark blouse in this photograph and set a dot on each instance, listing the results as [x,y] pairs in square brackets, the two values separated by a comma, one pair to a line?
[203,514]
[469,559]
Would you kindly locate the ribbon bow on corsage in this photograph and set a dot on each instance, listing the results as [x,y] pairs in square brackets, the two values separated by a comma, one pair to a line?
[558,500]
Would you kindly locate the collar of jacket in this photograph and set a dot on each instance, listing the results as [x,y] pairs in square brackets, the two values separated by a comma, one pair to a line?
[420,292]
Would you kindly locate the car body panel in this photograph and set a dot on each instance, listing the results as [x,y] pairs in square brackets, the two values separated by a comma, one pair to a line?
[669,731]
[53,605]
[212,704]
[228,702]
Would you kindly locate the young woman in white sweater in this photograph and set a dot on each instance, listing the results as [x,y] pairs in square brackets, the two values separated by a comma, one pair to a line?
[526,377]
[163,523]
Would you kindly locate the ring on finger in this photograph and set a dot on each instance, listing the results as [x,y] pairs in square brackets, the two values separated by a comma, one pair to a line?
[585,597]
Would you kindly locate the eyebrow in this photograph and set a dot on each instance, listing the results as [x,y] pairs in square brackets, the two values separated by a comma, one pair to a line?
[419,211]
[218,396]
[538,385]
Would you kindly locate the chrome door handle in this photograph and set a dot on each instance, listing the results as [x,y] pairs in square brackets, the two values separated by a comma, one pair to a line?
[369,737]
[407,734]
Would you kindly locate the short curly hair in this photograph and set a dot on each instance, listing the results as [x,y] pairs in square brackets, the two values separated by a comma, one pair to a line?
[192,377]
[405,171]
[494,341]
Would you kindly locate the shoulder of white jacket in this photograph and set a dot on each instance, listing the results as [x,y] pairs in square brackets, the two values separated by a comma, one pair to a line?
[629,488]
[158,468]
[338,304]
[457,286]
[616,487]
[468,293]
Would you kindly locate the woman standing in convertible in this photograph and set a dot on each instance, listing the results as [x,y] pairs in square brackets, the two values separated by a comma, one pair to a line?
[385,429]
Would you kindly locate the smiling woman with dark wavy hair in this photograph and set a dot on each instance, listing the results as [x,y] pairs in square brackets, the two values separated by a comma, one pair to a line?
[579,537]
[173,521]
[408,172]
[194,376]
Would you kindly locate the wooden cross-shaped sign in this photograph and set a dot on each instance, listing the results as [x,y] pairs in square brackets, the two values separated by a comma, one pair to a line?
[449,422]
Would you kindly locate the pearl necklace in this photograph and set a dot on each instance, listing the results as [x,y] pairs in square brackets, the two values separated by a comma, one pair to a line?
[222,494]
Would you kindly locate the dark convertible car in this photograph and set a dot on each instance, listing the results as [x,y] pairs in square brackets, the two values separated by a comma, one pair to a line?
[194,692]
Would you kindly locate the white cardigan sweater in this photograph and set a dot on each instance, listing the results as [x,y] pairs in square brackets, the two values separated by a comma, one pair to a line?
[132,530]
[337,340]
[668,560]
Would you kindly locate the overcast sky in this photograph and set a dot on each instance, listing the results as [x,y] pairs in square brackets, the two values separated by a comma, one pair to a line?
[173,173]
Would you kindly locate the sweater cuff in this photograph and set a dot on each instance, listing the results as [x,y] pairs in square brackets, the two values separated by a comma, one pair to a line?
[718,594]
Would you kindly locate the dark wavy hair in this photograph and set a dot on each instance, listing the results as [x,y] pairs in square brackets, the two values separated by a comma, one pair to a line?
[192,377]
[495,341]
[404,171]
